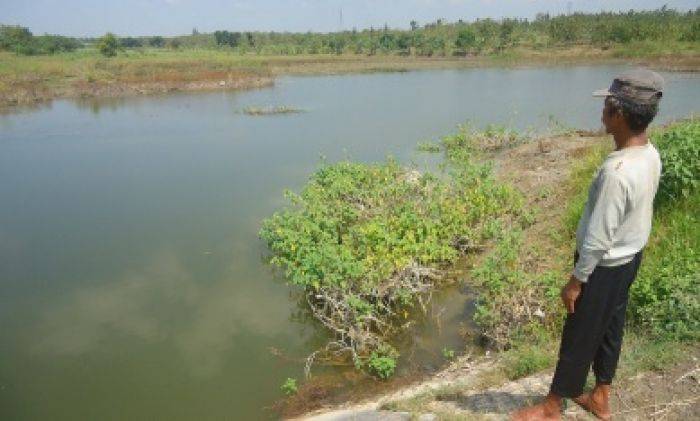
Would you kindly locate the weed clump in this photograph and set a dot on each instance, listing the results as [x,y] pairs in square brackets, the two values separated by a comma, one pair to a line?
[289,387]
[679,147]
[366,242]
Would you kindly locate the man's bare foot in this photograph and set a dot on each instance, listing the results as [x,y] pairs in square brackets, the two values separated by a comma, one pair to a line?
[597,402]
[549,409]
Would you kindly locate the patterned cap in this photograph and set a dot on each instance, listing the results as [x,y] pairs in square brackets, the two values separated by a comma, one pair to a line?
[638,86]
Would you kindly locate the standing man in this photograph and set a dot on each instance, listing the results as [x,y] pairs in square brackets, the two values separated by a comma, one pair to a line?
[612,231]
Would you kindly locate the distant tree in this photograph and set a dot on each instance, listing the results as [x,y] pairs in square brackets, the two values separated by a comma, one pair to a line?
[404,41]
[466,38]
[336,45]
[17,38]
[108,45]
[387,41]
[505,35]
[227,38]
[20,40]
[51,44]
[563,29]
[156,41]
[195,31]
[692,33]
[130,42]
[174,43]
[541,17]
[414,25]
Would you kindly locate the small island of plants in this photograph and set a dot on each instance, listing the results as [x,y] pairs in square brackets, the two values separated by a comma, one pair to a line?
[369,242]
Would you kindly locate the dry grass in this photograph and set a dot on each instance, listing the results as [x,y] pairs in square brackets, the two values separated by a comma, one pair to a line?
[27,79]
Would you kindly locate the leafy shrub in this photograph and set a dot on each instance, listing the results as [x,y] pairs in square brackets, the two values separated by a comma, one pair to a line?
[289,387]
[500,279]
[365,241]
[108,45]
[679,147]
[527,360]
[448,354]
[665,297]
[382,363]
[428,147]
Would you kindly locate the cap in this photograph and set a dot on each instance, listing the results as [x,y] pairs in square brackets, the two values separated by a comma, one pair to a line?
[638,85]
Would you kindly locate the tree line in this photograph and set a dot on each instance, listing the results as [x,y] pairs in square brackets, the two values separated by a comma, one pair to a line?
[435,38]
[21,41]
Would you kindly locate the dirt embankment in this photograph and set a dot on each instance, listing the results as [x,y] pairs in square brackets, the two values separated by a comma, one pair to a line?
[474,389]
[32,90]
[57,77]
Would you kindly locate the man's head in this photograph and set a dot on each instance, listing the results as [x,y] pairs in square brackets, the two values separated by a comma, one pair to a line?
[632,101]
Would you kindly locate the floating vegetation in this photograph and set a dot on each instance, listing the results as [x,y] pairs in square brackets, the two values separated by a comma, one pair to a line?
[490,139]
[271,110]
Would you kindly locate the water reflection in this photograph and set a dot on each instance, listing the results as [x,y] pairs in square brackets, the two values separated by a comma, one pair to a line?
[163,302]
[95,105]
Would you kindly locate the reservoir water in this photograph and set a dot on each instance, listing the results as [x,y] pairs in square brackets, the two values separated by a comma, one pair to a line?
[132,282]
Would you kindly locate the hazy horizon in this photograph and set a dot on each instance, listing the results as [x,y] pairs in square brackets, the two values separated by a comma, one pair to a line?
[82,18]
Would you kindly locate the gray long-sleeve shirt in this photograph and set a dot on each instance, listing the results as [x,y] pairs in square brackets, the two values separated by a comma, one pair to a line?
[616,221]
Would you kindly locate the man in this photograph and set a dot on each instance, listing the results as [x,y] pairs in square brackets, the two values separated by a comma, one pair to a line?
[612,231]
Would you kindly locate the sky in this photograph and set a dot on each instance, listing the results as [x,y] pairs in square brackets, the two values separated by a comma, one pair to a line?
[177,17]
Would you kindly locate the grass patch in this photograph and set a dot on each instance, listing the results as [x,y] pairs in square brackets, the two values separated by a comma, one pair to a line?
[640,353]
[531,352]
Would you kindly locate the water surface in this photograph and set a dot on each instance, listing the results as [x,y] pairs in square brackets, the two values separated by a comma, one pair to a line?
[132,282]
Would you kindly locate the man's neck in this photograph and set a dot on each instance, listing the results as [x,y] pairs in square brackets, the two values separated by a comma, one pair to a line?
[628,138]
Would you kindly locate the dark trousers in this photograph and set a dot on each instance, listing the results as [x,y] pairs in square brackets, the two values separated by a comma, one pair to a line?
[593,333]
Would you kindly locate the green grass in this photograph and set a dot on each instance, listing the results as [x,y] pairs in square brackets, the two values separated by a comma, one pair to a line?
[646,49]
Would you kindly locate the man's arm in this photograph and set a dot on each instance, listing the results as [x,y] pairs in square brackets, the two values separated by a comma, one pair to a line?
[608,211]
[606,217]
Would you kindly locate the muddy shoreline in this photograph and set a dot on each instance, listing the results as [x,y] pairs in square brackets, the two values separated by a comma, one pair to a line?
[34,89]
[30,94]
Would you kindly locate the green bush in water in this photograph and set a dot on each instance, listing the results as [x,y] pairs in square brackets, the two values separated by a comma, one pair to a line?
[368,241]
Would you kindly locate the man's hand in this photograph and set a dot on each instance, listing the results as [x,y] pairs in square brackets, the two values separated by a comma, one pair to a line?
[570,293]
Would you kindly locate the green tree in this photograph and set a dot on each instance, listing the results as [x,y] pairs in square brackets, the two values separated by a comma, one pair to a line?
[156,41]
[16,38]
[108,45]
[466,39]
[227,38]
[130,42]
[174,43]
